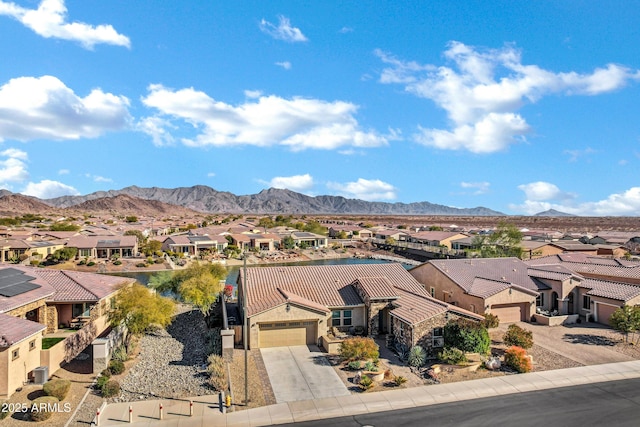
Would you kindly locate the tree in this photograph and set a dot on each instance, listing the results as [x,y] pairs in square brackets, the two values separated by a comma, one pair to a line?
[288,242]
[503,242]
[64,226]
[64,254]
[202,291]
[390,241]
[141,237]
[131,218]
[139,309]
[626,320]
[265,222]
[151,247]
[341,235]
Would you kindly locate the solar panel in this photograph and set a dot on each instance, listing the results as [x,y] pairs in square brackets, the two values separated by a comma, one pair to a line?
[15,282]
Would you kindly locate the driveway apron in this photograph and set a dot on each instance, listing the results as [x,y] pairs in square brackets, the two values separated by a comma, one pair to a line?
[301,373]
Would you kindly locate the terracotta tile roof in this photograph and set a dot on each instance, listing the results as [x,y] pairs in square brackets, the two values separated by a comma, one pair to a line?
[613,290]
[435,235]
[551,272]
[77,286]
[414,308]
[297,299]
[585,265]
[465,271]
[376,287]
[14,329]
[328,285]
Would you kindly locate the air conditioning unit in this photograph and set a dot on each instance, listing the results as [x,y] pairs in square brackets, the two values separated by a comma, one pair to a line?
[438,341]
[41,375]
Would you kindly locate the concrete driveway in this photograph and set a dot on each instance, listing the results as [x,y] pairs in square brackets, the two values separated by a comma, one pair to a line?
[583,343]
[301,373]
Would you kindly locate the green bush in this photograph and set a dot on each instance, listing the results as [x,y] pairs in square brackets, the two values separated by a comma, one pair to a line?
[399,380]
[57,388]
[365,382]
[452,356]
[359,348]
[116,367]
[141,265]
[516,358]
[517,336]
[101,381]
[467,335]
[111,388]
[371,367]
[117,262]
[39,408]
[354,365]
[417,356]
[106,373]
[91,264]
[491,321]
[120,354]
[3,414]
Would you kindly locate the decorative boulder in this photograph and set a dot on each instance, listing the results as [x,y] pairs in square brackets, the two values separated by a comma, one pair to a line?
[357,378]
[493,363]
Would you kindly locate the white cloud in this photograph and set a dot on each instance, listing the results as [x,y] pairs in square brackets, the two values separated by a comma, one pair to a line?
[483,90]
[156,127]
[345,30]
[479,187]
[253,93]
[574,155]
[49,21]
[365,189]
[47,189]
[286,65]
[64,172]
[283,31]
[297,123]
[98,178]
[299,183]
[211,174]
[13,168]
[540,194]
[32,108]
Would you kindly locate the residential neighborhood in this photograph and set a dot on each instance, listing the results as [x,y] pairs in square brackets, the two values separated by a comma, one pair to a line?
[58,289]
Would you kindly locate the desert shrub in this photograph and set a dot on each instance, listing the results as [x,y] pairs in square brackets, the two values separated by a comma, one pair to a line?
[213,339]
[516,358]
[105,373]
[150,260]
[354,365]
[120,354]
[111,388]
[116,367]
[141,265]
[467,335]
[91,264]
[517,336]
[39,408]
[4,414]
[82,262]
[359,348]
[399,380]
[452,356]
[159,260]
[217,372]
[417,356]
[34,262]
[491,321]
[365,382]
[371,367]
[57,388]
[117,262]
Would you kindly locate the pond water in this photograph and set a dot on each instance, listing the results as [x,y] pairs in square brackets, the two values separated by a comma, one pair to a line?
[144,276]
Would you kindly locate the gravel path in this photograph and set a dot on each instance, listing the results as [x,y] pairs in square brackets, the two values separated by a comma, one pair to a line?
[171,363]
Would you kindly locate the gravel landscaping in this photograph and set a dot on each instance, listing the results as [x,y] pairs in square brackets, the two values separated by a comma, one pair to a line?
[171,363]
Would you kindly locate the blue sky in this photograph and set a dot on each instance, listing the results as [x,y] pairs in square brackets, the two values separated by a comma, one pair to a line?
[518,106]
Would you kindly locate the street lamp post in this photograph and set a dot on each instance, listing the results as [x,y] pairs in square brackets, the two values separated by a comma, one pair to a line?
[245,333]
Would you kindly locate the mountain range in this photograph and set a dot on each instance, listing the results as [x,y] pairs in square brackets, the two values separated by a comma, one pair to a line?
[208,200]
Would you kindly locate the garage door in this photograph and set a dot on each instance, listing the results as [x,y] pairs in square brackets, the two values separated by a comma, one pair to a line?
[507,313]
[287,333]
[604,312]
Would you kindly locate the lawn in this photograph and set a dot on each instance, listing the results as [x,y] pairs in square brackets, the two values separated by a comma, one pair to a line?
[47,343]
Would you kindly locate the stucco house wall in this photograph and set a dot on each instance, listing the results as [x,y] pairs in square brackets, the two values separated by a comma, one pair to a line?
[280,314]
[14,372]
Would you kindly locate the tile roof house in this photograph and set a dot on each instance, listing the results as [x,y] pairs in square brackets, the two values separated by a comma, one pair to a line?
[298,305]
[104,247]
[34,301]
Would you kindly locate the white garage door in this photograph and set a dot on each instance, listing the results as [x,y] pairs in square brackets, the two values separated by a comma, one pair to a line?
[508,313]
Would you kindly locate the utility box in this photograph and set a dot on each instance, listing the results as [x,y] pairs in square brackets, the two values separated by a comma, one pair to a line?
[41,374]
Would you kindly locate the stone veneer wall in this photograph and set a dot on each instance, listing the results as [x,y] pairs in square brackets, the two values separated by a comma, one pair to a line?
[423,332]
[374,313]
[22,311]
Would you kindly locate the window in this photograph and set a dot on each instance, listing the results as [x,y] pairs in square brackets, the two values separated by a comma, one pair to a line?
[15,354]
[438,332]
[540,300]
[401,330]
[32,345]
[341,318]
[432,291]
[586,302]
[438,337]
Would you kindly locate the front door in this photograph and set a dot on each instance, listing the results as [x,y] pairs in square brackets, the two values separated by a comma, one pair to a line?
[570,303]
[554,300]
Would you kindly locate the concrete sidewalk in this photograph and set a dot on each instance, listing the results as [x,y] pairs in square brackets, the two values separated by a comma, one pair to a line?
[207,412]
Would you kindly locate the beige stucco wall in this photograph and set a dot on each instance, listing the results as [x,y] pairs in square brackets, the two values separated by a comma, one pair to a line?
[514,296]
[13,373]
[280,314]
